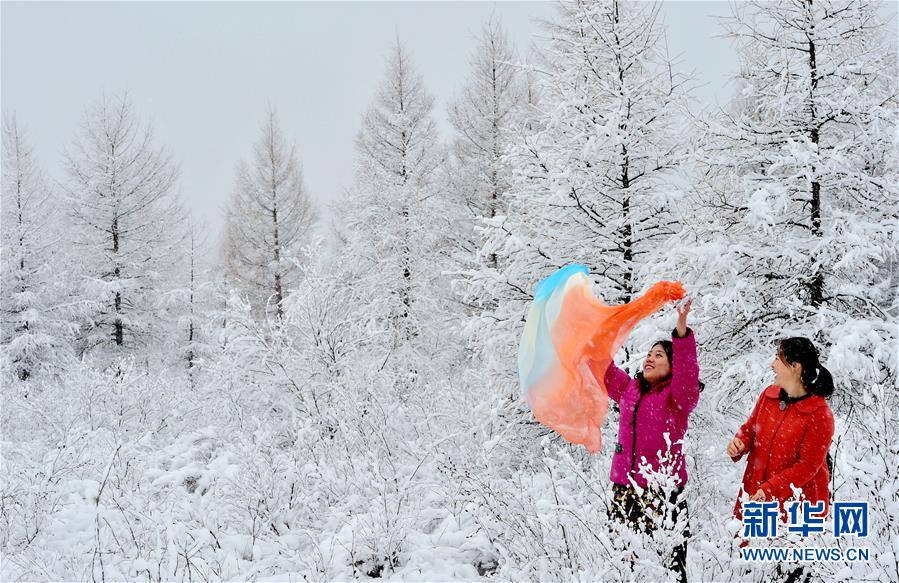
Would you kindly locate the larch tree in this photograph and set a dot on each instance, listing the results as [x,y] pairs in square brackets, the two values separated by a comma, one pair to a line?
[127,225]
[269,218]
[386,214]
[799,175]
[35,336]
[193,301]
[484,118]
[604,163]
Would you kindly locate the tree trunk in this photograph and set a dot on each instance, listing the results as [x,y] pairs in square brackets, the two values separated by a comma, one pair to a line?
[816,281]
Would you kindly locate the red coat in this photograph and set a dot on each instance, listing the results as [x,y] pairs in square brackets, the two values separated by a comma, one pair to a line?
[787,447]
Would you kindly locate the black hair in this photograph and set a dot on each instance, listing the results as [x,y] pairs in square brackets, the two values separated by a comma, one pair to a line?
[815,377]
[668,347]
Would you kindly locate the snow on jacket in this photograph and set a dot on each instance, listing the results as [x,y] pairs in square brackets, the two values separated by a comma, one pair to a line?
[647,417]
[787,448]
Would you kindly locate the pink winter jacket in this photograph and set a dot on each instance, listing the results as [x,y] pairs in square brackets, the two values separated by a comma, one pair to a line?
[646,418]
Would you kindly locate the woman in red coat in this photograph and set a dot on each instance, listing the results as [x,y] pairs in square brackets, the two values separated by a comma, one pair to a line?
[788,433]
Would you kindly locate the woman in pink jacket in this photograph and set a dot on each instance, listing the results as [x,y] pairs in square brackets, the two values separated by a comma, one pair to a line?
[655,407]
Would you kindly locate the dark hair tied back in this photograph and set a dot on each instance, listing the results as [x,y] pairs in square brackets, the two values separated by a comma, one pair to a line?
[815,377]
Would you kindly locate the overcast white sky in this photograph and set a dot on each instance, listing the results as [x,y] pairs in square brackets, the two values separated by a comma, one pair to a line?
[202,72]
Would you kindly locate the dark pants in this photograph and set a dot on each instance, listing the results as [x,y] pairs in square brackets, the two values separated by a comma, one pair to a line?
[644,512]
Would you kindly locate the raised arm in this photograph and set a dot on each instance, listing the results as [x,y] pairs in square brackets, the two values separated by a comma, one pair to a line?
[685,366]
[684,371]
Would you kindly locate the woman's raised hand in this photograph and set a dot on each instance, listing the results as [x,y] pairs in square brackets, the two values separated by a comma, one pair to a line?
[682,312]
[736,447]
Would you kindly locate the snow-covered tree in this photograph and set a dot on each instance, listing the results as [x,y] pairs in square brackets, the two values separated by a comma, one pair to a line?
[387,213]
[34,334]
[484,119]
[600,170]
[192,301]
[799,186]
[388,314]
[127,224]
[194,256]
[269,218]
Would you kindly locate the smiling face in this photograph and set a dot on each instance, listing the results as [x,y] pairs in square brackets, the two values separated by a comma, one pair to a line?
[785,374]
[656,366]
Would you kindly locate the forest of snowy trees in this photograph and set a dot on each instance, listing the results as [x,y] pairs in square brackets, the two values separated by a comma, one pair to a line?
[274,406]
